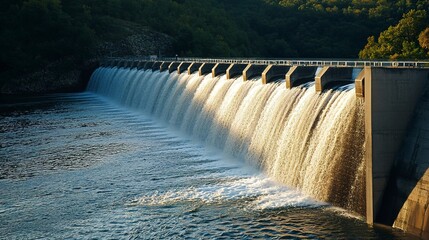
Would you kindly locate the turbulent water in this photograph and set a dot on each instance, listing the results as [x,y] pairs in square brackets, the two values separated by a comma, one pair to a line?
[149,155]
[310,141]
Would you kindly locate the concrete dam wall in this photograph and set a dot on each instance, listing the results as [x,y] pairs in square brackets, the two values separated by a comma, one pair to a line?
[393,98]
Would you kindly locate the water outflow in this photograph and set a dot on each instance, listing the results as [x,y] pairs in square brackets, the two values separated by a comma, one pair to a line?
[311,141]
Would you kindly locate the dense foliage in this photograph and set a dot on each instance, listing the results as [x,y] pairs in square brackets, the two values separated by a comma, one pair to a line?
[406,40]
[34,33]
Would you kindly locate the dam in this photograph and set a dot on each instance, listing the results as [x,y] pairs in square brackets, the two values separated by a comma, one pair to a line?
[336,130]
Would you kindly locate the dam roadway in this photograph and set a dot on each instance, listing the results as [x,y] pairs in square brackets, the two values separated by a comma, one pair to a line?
[392,91]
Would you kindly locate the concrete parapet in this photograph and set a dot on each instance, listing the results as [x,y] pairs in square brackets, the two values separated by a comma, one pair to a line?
[253,70]
[330,75]
[205,68]
[274,72]
[173,66]
[360,84]
[156,66]
[183,67]
[220,68]
[391,95]
[234,70]
[164,66]
[194,67]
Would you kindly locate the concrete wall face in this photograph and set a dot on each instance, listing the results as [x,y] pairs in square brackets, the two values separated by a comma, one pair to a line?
[194,67]
[411,175]
[299,74]
[390,99]
[253,70]
[274,72]
[235,70]
[329,75]
[173,67]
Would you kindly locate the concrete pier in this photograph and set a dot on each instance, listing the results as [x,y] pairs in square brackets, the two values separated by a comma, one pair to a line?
[164,66]
[299,75]
[194,67]
[253,70]
[274,72]
[234,70]
[219,68]
[173,66]
[156,66]
[205,68]
[360,84]
[330,75]
[183,67]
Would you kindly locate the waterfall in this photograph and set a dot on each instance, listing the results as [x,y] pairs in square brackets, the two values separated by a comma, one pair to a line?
[308,140]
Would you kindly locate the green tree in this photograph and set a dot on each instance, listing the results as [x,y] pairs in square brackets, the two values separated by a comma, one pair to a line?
[399,41]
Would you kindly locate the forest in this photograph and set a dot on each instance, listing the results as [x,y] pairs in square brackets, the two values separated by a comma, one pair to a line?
[34,33]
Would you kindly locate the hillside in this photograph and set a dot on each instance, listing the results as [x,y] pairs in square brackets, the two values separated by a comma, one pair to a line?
[54,36]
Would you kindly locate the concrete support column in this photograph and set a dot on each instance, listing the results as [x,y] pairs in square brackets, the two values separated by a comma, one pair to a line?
[220,68]
[391,95]
[205,68]
[274,72]
[360,84]
[156,66]
[194,67]
[234,70]
[173,67]
[253,70]
[164,66]
[300,74]
[183,67]
[330,75]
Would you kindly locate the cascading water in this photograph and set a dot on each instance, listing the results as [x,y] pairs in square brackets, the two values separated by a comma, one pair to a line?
[311,141]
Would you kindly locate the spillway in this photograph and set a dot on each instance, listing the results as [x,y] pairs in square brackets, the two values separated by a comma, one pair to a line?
[307,140]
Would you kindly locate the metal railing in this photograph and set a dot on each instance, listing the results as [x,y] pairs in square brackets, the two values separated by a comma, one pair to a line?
[290,62]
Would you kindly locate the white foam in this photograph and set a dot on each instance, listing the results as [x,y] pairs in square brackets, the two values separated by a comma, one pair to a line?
[259,192]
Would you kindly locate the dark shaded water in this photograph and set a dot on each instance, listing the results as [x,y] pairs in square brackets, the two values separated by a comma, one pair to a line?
[76,166]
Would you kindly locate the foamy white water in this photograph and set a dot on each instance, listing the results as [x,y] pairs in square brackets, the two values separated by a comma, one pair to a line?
[298,137]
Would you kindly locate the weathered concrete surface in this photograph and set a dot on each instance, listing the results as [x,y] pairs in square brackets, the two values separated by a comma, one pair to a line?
[194,67]
[274,72]
[253,70]
[234,70]
[406,201]
[360,84]
[220,68]
[390,99]
[173,66]
[183,67]
[299,75]
[330,75]
[414,214]
[205,68]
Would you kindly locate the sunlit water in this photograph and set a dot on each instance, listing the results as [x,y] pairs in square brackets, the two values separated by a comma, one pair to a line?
[76,166]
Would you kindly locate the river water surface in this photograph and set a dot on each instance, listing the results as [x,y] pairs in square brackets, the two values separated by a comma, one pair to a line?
[76,166]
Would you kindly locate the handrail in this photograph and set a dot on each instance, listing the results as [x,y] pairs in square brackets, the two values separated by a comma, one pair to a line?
[290,62]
